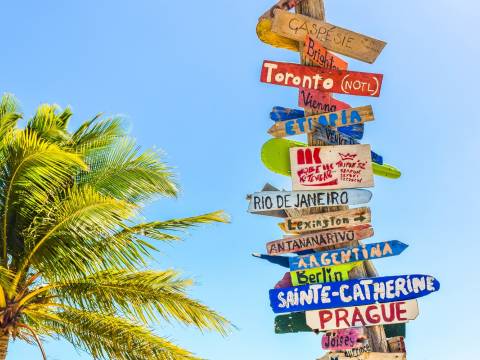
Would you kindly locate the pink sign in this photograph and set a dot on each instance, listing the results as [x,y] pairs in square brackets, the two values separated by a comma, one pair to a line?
[346,339]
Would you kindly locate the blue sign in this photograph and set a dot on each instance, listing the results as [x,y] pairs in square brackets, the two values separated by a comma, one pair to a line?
[352,293]
[347,255]
[283,114]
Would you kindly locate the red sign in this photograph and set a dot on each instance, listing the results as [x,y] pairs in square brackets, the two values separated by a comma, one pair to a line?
[320,102]
[316,78]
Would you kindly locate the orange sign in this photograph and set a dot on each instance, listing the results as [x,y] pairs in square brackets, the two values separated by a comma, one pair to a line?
[315,52]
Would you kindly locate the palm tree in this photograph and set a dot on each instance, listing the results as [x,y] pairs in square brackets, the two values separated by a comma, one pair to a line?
[73,248]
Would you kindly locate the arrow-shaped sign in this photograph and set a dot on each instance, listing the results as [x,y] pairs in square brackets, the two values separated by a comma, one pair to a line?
[352,293]
[345,255]
[303,125]
[281,114]
[316,78]
[330,220]
[317,240]
[286,200]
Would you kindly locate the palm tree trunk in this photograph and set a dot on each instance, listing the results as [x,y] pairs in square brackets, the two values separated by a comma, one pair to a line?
[4,346]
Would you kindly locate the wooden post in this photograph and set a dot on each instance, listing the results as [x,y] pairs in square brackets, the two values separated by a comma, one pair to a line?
[376,334]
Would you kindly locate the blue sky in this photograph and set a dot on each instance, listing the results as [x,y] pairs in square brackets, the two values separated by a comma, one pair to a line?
[186,77]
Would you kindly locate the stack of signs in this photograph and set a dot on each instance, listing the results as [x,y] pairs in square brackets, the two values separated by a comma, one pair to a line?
[327,288]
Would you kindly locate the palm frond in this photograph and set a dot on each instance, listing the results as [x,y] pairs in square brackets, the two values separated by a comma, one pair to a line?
[143,295]
[60,241]
[122,171]
[96,134]
[106,336]
[49,124]
[31,171]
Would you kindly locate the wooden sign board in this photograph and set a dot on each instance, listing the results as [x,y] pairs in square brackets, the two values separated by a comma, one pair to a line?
[345,339]
[329,220]
[366,315]
[317,54]
[316,78]
[319,101]
[296,323]
[363,252]
[334,38]
[281,114]
[266,35]
[331,167]
[287,200]
[291,323]
[277,260]
[395,330]
[365,356]
[318,240]
[334,137]
[304,125]
[322,275]
[275,155]
[350,293]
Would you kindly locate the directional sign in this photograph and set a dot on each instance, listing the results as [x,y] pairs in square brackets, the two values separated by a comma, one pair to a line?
[265,34]
[291,323]
[277,260]
[322,275]
[335,137]
[331,167]
[320,101]
[329,220]
[296,322]
[286,200]
[316,78]
[350,293]
[345,255]
[334,38]
[275,156]
[304,125]
[366,315]
[317,240]
[364,356]
[281,114]
[317,54]
[345,339]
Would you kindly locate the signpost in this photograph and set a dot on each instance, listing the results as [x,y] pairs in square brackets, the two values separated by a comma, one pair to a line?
[319,102]
[341,339]
[331,167]
[296,322]
[366,315]
[321,275]
[318,240]
[340,118]
[316,78]
[325,177]
[352,293]
[346,255]
[334,38]
[330,220]
[283,200]
[280,114]
[317,54]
